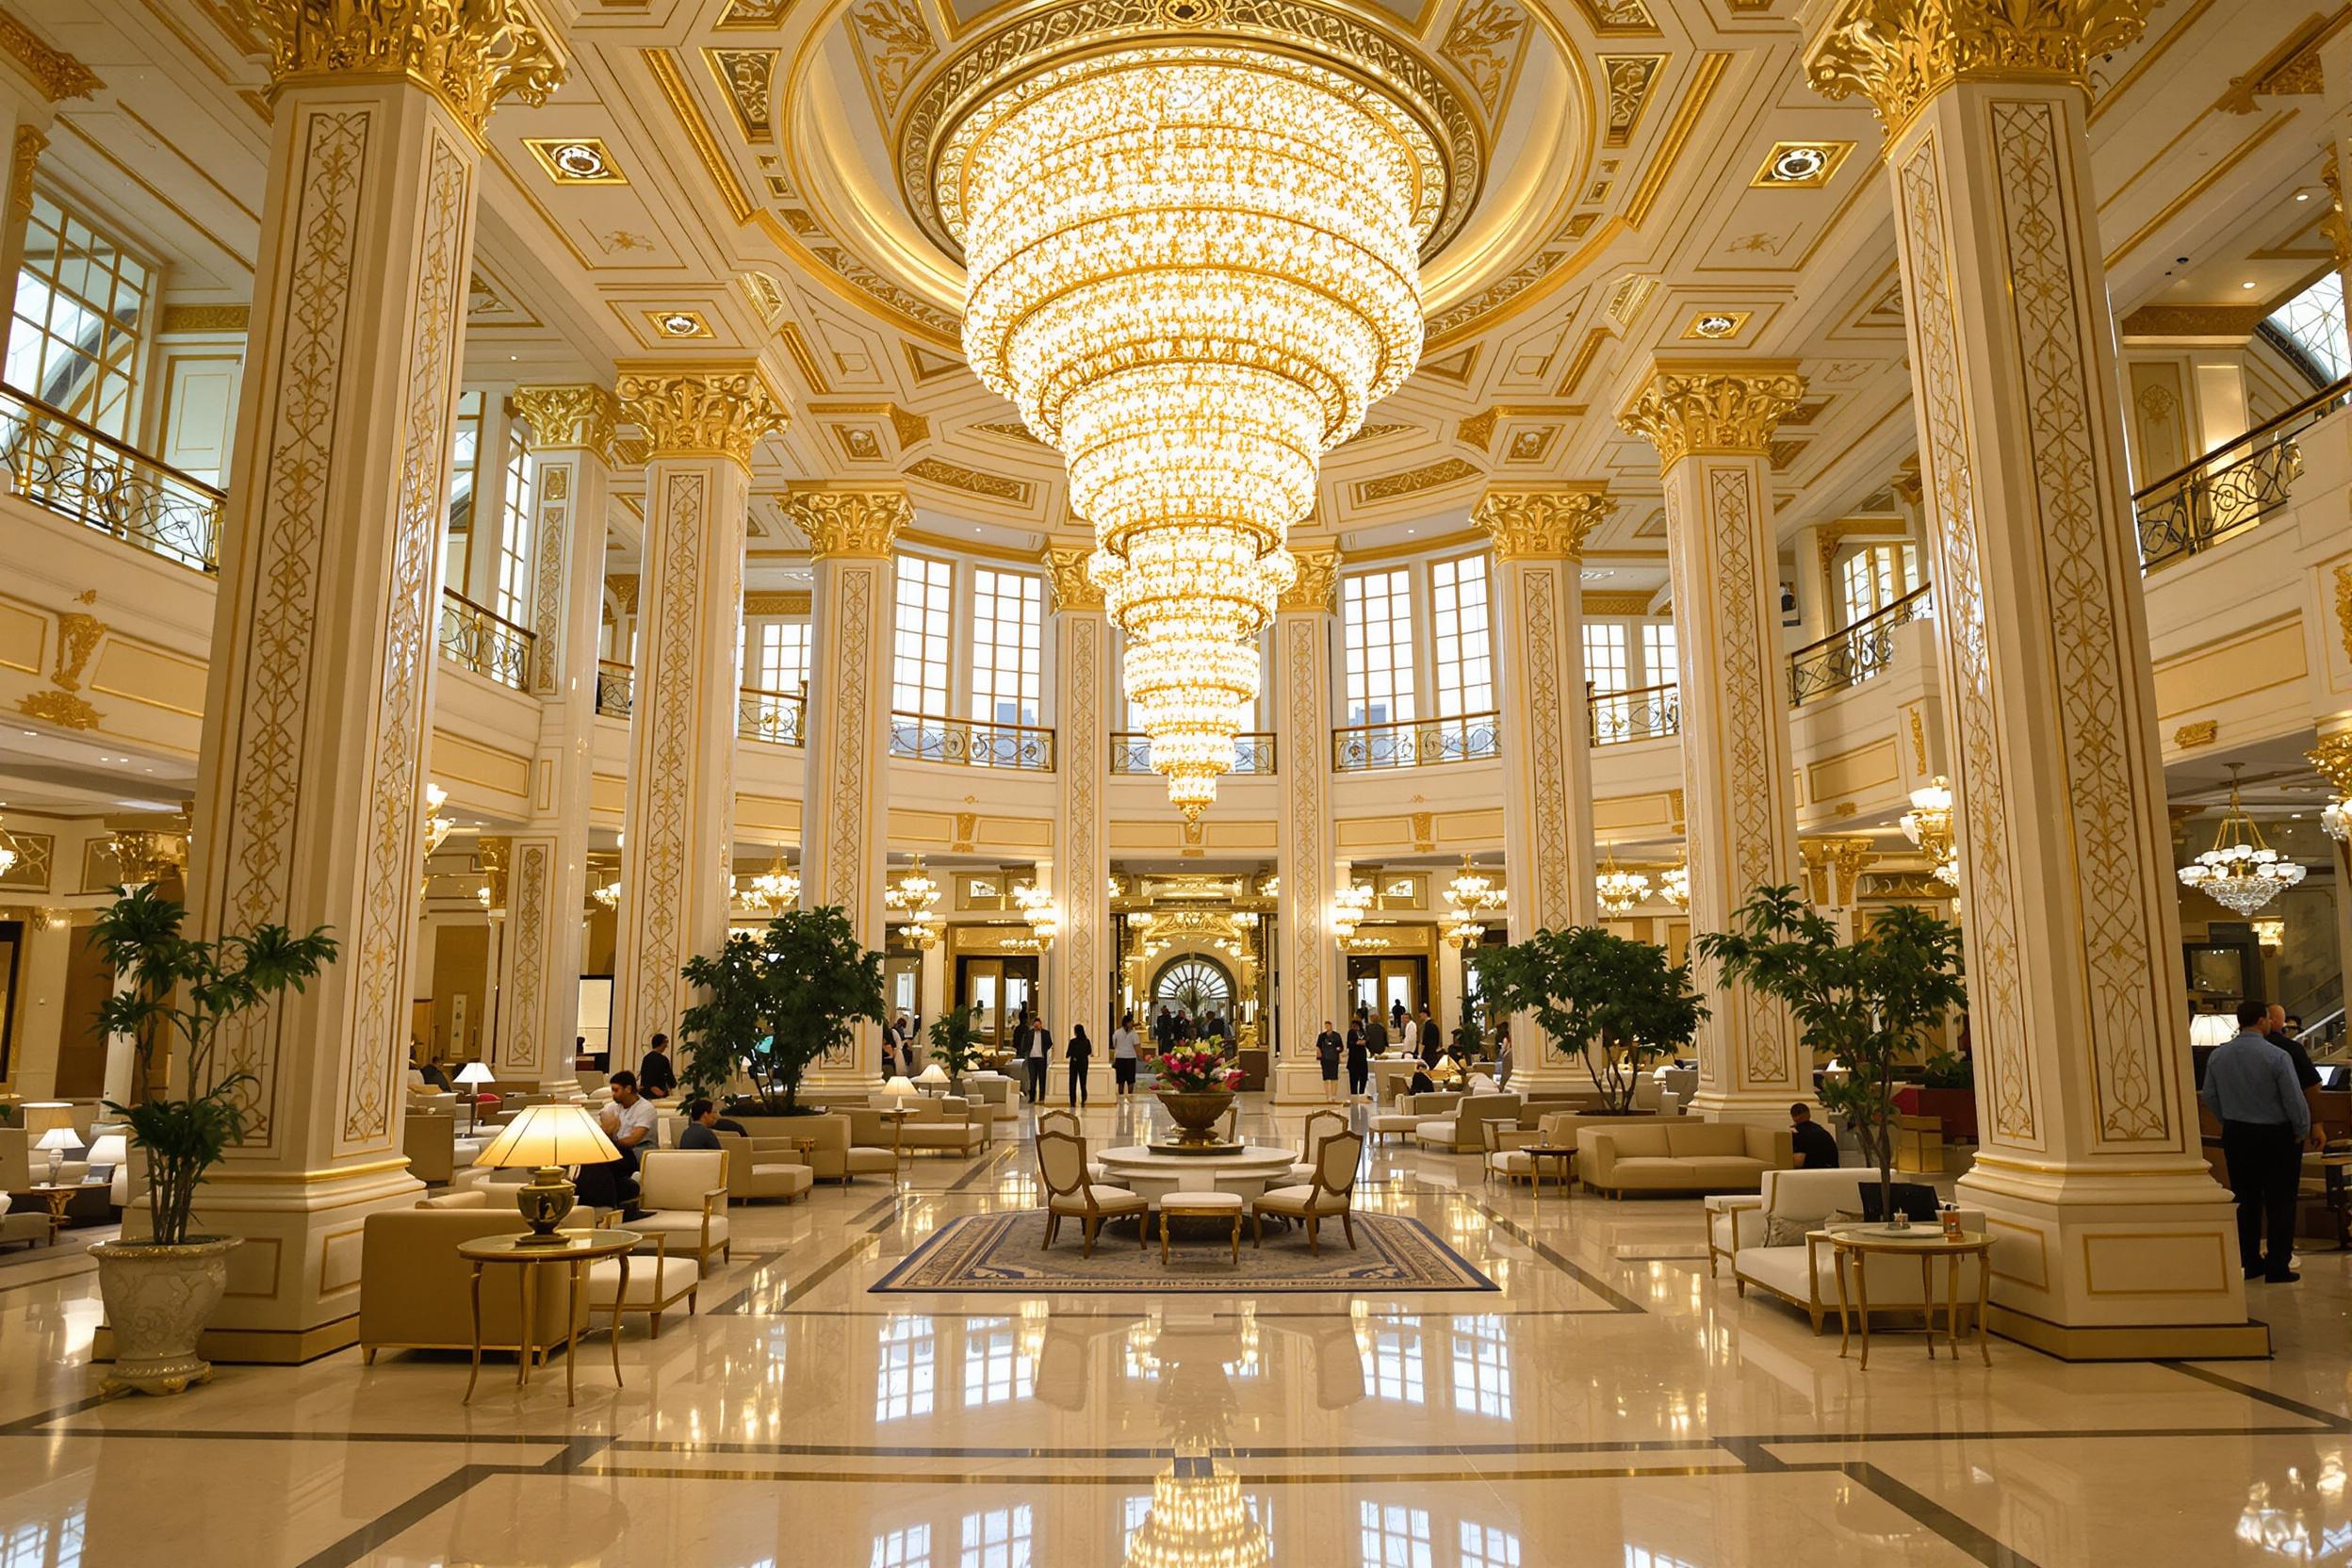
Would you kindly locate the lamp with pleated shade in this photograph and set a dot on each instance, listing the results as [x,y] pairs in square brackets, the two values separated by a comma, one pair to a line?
[547,1138]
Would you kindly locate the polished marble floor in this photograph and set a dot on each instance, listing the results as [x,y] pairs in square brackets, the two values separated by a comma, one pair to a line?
[1609,1407]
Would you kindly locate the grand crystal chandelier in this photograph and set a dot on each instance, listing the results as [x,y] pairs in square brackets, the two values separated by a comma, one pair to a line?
[1193,266]
[2240,871]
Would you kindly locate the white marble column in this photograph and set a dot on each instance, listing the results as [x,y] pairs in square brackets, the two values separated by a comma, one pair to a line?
[1082,967]
[1537,617]
[310,786]
[1709,421]
[547,874]
[2112,1237]
[845,821]
[1311,973]
[677,856]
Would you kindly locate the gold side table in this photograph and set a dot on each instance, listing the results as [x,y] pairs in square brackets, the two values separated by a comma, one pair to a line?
[1538,1152]
[56,1195]
[1927,1243]
[575,1251]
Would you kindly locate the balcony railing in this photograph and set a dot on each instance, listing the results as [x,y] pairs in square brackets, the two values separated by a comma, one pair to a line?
[617,687]
[1420,743]
[972,742]
[1645,713]
[2193,509]
[80,472]
[483,641]
[779,718]
[1853,654]
[1131,752]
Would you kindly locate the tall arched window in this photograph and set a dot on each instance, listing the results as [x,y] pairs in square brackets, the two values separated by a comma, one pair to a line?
[1194,988]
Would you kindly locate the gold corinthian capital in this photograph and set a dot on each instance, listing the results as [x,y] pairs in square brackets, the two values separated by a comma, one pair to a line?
[570,417]
[844,520]
[1542,522]
[2332,757]
[1074,590]
[1710,407]
[1899,53]
[706,411]
[472,54]
[1316,586]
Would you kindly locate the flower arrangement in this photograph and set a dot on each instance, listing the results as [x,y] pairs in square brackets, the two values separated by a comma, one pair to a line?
[1197,1069]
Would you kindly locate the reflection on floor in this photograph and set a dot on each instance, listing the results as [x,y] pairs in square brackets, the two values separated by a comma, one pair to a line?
[1610,1405]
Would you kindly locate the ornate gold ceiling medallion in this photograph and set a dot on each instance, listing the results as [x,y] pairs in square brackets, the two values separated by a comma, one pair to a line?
[1389,75]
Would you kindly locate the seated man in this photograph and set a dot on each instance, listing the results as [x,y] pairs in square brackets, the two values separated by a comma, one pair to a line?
[631,1122]
[702,1126]
[1421,1082]
[1814,1147]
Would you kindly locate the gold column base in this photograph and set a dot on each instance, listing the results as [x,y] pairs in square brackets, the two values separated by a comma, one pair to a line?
[2247,1341]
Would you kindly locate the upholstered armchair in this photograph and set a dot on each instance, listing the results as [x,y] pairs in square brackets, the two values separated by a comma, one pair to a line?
[685,1192]
[765,1168]
[1062,1167]
[1331,1191]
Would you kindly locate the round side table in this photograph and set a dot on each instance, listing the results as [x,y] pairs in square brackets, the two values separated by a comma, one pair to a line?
[1927,1243]
[575,1251]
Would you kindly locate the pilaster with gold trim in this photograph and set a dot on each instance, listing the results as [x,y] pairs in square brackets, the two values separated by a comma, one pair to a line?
[844,814]
[1537,605]
[700,423]
[572,431]
[1082,966]
[1313,975]
[311,781]
[2112,1237]
[1710,422]
[35,78]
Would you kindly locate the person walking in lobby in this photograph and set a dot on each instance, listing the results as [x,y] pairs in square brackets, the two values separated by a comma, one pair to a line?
[1080,1054]
[1037,1052]
[1126,1045]
[2249,1084]
[1327,1048]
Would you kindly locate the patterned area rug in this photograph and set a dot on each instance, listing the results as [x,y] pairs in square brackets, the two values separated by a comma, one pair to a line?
[1008,1252]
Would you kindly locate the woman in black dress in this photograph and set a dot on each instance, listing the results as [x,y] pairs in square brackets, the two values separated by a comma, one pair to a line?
[1079,1053]
[1327,1056]
[1359,1062]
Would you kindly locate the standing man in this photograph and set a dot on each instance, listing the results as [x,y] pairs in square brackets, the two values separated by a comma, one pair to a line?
[2250,1084]
[2277,1031]
[1036,1050]
[1359,1062]
[1375,1032]
[1409,1035]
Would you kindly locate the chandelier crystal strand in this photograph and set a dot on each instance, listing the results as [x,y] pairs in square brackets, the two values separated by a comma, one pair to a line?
[1192,268]
[2240,873]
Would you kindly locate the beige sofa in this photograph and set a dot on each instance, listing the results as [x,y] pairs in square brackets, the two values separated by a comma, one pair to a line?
[760,1169]
[931,1126]
[1661,1154]
[1456,1131]
[1804,1273]
[834,1157]
[1410,1111]
[415,1292]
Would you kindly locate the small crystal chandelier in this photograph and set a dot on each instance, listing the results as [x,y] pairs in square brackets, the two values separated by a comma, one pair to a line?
[910,899]
[1348,905]
[1673,883]
[2335,820]
[775,889]
[1620,891]
[2271,931]
[1471,897]
[436,826]
[1037,908]
[1928,825]
[2240,871]
[608,895]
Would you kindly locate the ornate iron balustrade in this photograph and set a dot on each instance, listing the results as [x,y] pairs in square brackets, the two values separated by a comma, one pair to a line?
[616,688]
[2195,508]
[972,742]
[1420,743]
[1645,713]
[80,472]
[1853,654]
[1131,752]
[485,642]
[779,718]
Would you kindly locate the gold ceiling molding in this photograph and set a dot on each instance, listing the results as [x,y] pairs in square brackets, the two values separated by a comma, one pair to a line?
[1900,53]
[753,13]
[717,409]
[766,294]
[788,601]
[623,587]
[1548,522]
[1713,407]
[1618,16]
[1485,43]
[1363,433]
[893,42]
[2290,71]
[1412,482]
[843,520]
[1629,78]
[1013,430]
[1316,586]
[907,425]
[58,74]
[178,318]
[1391,67]
[2231,321]
[1633,602]
[1066,570]
[973,482]
[570,417]
[470,53]
[747,77]
[2332,222]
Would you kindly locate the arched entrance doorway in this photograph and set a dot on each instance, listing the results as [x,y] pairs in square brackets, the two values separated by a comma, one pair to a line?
[1193,985]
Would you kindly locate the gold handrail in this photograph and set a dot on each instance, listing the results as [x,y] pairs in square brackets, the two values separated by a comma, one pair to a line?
[1417,742]
[1852,654]
[781,718]
[485,642]
[1253,752]
[970,742]
[1637,714]
[2196,507]
[2333,393]
[59,462]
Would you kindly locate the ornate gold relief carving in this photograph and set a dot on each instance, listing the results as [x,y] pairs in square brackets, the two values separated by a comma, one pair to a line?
[2332,757]
[1900,53]
[746,76]
[2201,733]
[1316,586]
[844,521]
[24,159]
[77,638]
[570,417]
[1543,522]
[470,53]
[1698,406]
[1066,570]
[1629,78]
[2332,222]
[894,40]
[973,482]
[1412,482]
[700,413]
[781,602]
[59,73]
[1484,45]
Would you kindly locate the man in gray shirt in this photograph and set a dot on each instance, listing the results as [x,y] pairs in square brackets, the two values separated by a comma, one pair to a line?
[2250,1084]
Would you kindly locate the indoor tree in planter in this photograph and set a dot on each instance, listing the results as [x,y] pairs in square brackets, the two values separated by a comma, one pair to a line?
[159,1292]
[956,1045]
[779,1002]
[1872,1003]
[1611,999]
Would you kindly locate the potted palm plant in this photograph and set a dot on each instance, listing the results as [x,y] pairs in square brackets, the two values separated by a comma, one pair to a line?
[1613,1001]
[1873,1003]
[160,1292]
[777,1002]
[956,1045]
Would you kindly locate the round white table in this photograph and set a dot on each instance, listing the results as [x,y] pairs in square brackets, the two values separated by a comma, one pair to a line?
[1147,1174]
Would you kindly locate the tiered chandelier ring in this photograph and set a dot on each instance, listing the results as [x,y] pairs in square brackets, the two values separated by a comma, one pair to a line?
[1194,265]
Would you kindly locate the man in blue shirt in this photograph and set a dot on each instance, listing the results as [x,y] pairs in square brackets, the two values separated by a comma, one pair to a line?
[2250,1084]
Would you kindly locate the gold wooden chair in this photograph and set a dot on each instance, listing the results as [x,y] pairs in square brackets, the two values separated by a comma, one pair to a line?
[1062,1167]
[1331,1191]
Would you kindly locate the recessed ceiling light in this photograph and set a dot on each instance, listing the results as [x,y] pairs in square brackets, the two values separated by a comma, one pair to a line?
[575,160]
[2302,195]
[678,323]
[2249,284]
[1715,324]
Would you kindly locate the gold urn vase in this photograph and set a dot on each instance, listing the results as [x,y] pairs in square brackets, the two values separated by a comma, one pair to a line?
[1196,1114]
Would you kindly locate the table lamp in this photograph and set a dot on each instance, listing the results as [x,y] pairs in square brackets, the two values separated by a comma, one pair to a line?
[472,1076]
[109,1151]
[2212,1029]
[547,1138]
[56,1140]
[934,1075]
[900,1089]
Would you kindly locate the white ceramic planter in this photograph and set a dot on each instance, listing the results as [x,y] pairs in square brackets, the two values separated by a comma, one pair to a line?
[159,1299]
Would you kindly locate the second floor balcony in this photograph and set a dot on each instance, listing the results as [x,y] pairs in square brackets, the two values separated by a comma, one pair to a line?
[79,471]
[972,742]
[1417,743]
